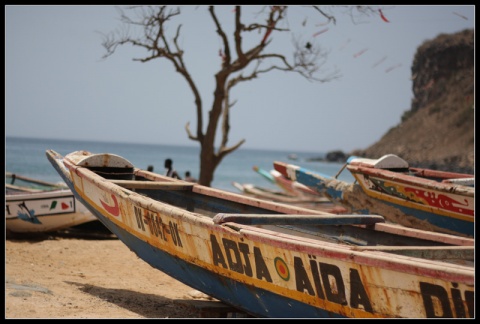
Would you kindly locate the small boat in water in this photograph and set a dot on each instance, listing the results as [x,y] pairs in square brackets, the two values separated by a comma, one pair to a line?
[33,206]
[420,198]
[271,259]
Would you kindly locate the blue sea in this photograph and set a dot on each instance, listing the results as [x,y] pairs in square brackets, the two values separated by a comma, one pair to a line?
[26,156]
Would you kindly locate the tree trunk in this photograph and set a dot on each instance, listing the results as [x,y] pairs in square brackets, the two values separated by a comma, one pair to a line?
[208,164]
[208,158]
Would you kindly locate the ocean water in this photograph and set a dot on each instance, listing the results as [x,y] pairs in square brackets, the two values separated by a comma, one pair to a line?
[26,156]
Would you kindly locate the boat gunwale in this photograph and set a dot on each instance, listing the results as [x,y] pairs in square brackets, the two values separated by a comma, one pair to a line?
[39,194]
[295,171]
[402,178]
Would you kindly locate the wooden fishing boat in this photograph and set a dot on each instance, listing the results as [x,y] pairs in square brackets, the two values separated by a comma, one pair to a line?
[33,206]
[265,174]
[264,193]
[290,187]
[420,198]
[280,196]
[271,259]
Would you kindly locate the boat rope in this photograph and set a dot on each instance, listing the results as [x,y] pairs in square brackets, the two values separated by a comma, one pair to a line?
[338,173]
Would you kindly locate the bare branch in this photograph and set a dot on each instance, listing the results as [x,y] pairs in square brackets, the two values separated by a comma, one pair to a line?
[329,17]
[248,64]
[226,150]
[189,133]
[154,40]
[223,36]
[276,14]
[237,34]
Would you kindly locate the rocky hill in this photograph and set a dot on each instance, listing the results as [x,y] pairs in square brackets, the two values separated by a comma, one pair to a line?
[438,132]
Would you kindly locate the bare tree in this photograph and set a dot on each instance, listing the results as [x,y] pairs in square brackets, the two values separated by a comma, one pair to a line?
[239,64]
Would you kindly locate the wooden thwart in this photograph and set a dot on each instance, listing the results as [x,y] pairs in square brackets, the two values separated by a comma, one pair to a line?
[167,185]
[280,219]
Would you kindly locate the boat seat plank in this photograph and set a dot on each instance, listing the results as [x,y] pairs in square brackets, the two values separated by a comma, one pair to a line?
[281,219]
[164,185]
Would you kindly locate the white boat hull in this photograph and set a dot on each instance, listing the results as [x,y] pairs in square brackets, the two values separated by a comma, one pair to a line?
[44,211]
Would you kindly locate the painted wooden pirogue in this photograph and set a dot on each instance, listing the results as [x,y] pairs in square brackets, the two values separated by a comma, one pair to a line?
[33,206]
[265,193]
[290,187]
[315,202]
[270,259]
[420,198]
[279,196]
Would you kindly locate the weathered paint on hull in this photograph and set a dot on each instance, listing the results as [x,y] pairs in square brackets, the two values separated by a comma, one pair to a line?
[403,211]
[448,211]
[271,274]
[265,302]
[452,223]
[224,289]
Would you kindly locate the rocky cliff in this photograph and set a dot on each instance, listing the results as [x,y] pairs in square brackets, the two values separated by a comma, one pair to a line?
[438,131]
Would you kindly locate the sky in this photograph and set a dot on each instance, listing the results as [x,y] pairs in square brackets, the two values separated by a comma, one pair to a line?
[58,86]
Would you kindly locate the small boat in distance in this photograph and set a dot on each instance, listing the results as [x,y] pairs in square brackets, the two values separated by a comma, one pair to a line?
[271,259]
[420,198]
[292,156]
[292,188]
[34,206]
[317,203]
[264,193]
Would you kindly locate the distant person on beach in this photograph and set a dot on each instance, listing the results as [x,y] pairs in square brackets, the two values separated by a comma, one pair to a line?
[188,177]
[150,168]
[170,171]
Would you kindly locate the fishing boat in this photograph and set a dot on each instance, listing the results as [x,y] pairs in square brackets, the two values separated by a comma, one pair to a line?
[322,203]
[420,198]
[264,193]
[292,188]
[265,174]
[270,259]
[33,206]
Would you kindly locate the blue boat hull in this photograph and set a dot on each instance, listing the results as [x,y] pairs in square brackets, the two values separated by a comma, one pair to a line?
[241,296]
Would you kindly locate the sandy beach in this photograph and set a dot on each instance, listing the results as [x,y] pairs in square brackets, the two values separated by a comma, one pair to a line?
[73,276]
[86,273]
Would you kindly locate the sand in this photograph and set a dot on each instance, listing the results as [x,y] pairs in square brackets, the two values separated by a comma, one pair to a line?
[85,274]
[72,276]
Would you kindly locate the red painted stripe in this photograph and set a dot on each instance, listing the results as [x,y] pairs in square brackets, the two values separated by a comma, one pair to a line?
[114,210]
